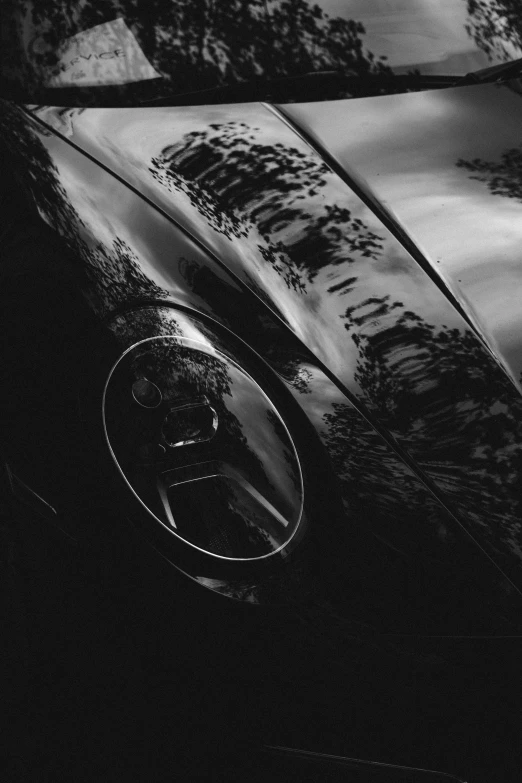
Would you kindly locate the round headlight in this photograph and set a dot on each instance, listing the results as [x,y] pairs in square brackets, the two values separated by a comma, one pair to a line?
[203,448]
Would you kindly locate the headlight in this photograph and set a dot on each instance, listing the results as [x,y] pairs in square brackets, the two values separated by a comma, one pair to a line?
[203,448]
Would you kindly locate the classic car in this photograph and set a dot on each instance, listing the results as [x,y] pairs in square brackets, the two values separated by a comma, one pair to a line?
[261,287]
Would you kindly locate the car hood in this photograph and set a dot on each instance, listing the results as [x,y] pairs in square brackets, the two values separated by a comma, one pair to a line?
[446,165]
[382,232]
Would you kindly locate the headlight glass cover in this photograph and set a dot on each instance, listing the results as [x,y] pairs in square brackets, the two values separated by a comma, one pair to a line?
[203,448]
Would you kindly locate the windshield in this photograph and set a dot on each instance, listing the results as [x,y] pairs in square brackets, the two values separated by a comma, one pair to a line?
[179,46]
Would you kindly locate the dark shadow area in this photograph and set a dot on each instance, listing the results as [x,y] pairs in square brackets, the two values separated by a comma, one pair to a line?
[503,177]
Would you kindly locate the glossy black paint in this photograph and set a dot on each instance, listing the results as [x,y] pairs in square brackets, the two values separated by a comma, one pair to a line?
[259,243]
[361,281]
[355,264]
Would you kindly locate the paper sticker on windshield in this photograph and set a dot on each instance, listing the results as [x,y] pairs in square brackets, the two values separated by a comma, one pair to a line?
[106,54]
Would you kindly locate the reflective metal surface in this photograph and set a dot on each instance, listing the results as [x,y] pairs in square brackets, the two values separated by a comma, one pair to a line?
[417,566]
[228,211]
[243,187]
[447,169]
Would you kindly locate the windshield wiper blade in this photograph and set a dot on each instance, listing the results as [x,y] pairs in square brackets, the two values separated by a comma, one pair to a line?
[331,80]
[494,73]
[304,87]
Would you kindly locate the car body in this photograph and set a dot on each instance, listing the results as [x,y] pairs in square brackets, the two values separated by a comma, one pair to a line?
[302,375]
